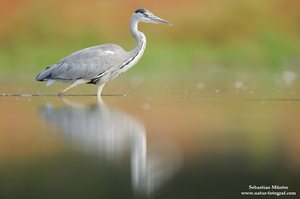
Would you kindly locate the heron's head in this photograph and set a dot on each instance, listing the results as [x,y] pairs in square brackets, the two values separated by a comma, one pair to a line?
[144,15]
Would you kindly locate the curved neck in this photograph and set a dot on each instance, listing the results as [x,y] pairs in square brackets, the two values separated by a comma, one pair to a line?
[139,36]
[134,55]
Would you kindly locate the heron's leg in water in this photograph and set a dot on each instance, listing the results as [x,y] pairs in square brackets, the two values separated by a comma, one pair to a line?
[100,87]
[76,83]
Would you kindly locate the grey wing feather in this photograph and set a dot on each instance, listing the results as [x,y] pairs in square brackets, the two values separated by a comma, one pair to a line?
[45,74]
[88,63]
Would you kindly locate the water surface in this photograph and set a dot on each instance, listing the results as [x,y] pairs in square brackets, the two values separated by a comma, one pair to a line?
[147,144]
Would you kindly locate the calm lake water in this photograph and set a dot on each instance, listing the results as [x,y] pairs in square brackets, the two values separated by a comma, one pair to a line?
[185,143]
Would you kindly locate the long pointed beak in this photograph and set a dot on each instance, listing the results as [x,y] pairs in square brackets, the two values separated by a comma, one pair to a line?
[160,20]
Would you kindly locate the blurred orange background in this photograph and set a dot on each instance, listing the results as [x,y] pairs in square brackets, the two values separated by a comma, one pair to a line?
[242,34]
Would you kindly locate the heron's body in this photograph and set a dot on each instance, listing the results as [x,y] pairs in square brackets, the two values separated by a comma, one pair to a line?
[100,64]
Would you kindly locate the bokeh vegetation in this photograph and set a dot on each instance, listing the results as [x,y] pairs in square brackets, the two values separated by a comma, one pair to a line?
[221,35]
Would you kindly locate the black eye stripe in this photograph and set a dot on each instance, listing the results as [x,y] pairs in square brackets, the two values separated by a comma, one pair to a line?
[141,10]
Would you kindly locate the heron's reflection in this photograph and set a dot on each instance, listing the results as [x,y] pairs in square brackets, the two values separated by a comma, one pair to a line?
[109,132]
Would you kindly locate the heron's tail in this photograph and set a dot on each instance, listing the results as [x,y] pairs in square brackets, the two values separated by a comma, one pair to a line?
[45,75]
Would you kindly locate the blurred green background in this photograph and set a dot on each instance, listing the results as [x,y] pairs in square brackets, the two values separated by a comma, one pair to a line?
[209,39]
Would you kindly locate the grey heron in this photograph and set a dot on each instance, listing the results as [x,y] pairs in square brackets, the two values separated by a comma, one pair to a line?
[102,63]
